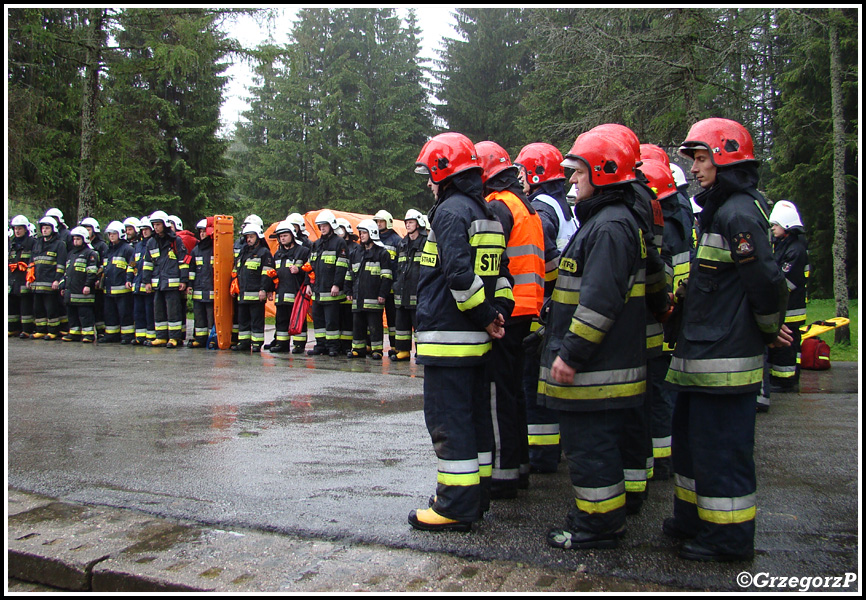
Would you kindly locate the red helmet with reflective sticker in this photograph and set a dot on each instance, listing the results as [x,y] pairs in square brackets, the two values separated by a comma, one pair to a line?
[445,155]
[653,152]
[609,161]
[624,134]
[543,162]
[660,178]
[727,141]
[493,158]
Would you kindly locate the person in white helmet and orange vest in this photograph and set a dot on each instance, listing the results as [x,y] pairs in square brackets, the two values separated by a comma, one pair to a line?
[20,299]
[525,249]
[735,303]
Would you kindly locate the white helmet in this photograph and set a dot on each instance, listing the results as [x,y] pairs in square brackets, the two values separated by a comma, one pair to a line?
[679,175]
[90,222]
[56,213]
[255,220]
[145,222]
[283,227]
[344,223]
[20,221]
[326,216]
[201,224]
[178,224]
[371,227]
[253,228]
[48,221]
[132,222]
[413,214]
[116,227]
[159,216]
[80,231]
[785,214]
[297,219]
[384,215]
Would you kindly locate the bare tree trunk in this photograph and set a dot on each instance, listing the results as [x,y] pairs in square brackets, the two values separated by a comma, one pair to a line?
[86,200]
[840,253]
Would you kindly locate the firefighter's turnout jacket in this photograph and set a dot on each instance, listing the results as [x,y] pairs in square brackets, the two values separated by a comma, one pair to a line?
[166,263]
[290,283]
[253,265]
[330,262]
[371,278]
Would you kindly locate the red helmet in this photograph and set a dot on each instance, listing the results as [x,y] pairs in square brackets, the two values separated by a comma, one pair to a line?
[660,177]
[493,158]
[653,152]
[445,155]
[543,162]
[624,134]
[727,141]
[609,161]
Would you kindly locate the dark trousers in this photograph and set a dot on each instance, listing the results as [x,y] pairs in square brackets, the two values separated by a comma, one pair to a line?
[281,323]
[457,413]
[542,423]
[119,316]
[167,314]
[99,311]
[591,442]
[326,321]
[508,406]
[251,322]
[661,406]
[47,308]
[82,321]
[713,446]
[785,362]
[21,313]
[145,324]
[202,313]
[347,327]
[367,325]
[636,450]
[391,318]
[406,321]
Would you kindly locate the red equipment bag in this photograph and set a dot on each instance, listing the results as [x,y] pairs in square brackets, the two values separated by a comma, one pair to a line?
[300,310]
[814,354]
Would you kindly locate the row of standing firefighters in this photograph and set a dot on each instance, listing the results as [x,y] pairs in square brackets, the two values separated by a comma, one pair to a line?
[592,324]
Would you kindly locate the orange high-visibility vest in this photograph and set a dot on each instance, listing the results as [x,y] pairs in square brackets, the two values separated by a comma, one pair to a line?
[525,254]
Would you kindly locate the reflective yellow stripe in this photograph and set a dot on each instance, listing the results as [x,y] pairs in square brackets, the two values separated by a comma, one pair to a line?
[452,350]
[605,506]
[543,440]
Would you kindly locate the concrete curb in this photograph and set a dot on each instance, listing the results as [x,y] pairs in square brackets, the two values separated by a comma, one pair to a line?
[102,549]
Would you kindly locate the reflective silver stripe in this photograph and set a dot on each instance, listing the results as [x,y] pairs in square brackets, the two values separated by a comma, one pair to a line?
[717,365]
[568,282]
[452,337]
[464,295]
[797,312]
[485,458]
[634,474]
[524,278]
[503,284]
[525,250]
[484,226]
[714,240]
[791,286]
[593,318]
[611,377]
[599,494]
[662,442]
[548,429]
[726,504]
[684,482]
[458,466]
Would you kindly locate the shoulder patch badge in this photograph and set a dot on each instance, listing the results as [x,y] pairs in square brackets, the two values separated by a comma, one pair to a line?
[786,268]
[743,245]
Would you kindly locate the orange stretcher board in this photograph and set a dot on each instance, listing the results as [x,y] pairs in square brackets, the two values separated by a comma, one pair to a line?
[819,327]
[223,263]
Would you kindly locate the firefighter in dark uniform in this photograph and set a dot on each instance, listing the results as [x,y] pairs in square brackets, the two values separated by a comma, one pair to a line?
[142,301]
[792,256]
[464,293]
[368,288]
[676,251]
[119,317]
[255,271]
[97,243]
[525,249]
[353,250]
[593,364]
[43,279]
[165,272]
[390,240]
[406,272]
[78,287]
[201,283]
[734,307]
[330,262]
[289,260]
[544,183]
[19,298]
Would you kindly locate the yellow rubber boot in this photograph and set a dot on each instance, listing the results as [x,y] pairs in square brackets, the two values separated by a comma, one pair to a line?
[429,520]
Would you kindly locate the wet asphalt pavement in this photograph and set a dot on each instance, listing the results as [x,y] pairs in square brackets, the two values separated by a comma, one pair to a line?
[335,450]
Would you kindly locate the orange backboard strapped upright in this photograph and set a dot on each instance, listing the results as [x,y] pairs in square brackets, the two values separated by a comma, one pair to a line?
[223,263]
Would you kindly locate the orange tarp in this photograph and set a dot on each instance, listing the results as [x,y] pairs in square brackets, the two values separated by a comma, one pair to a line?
[313,233]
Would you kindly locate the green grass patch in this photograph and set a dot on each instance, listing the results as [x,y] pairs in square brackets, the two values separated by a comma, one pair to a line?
[819,310]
